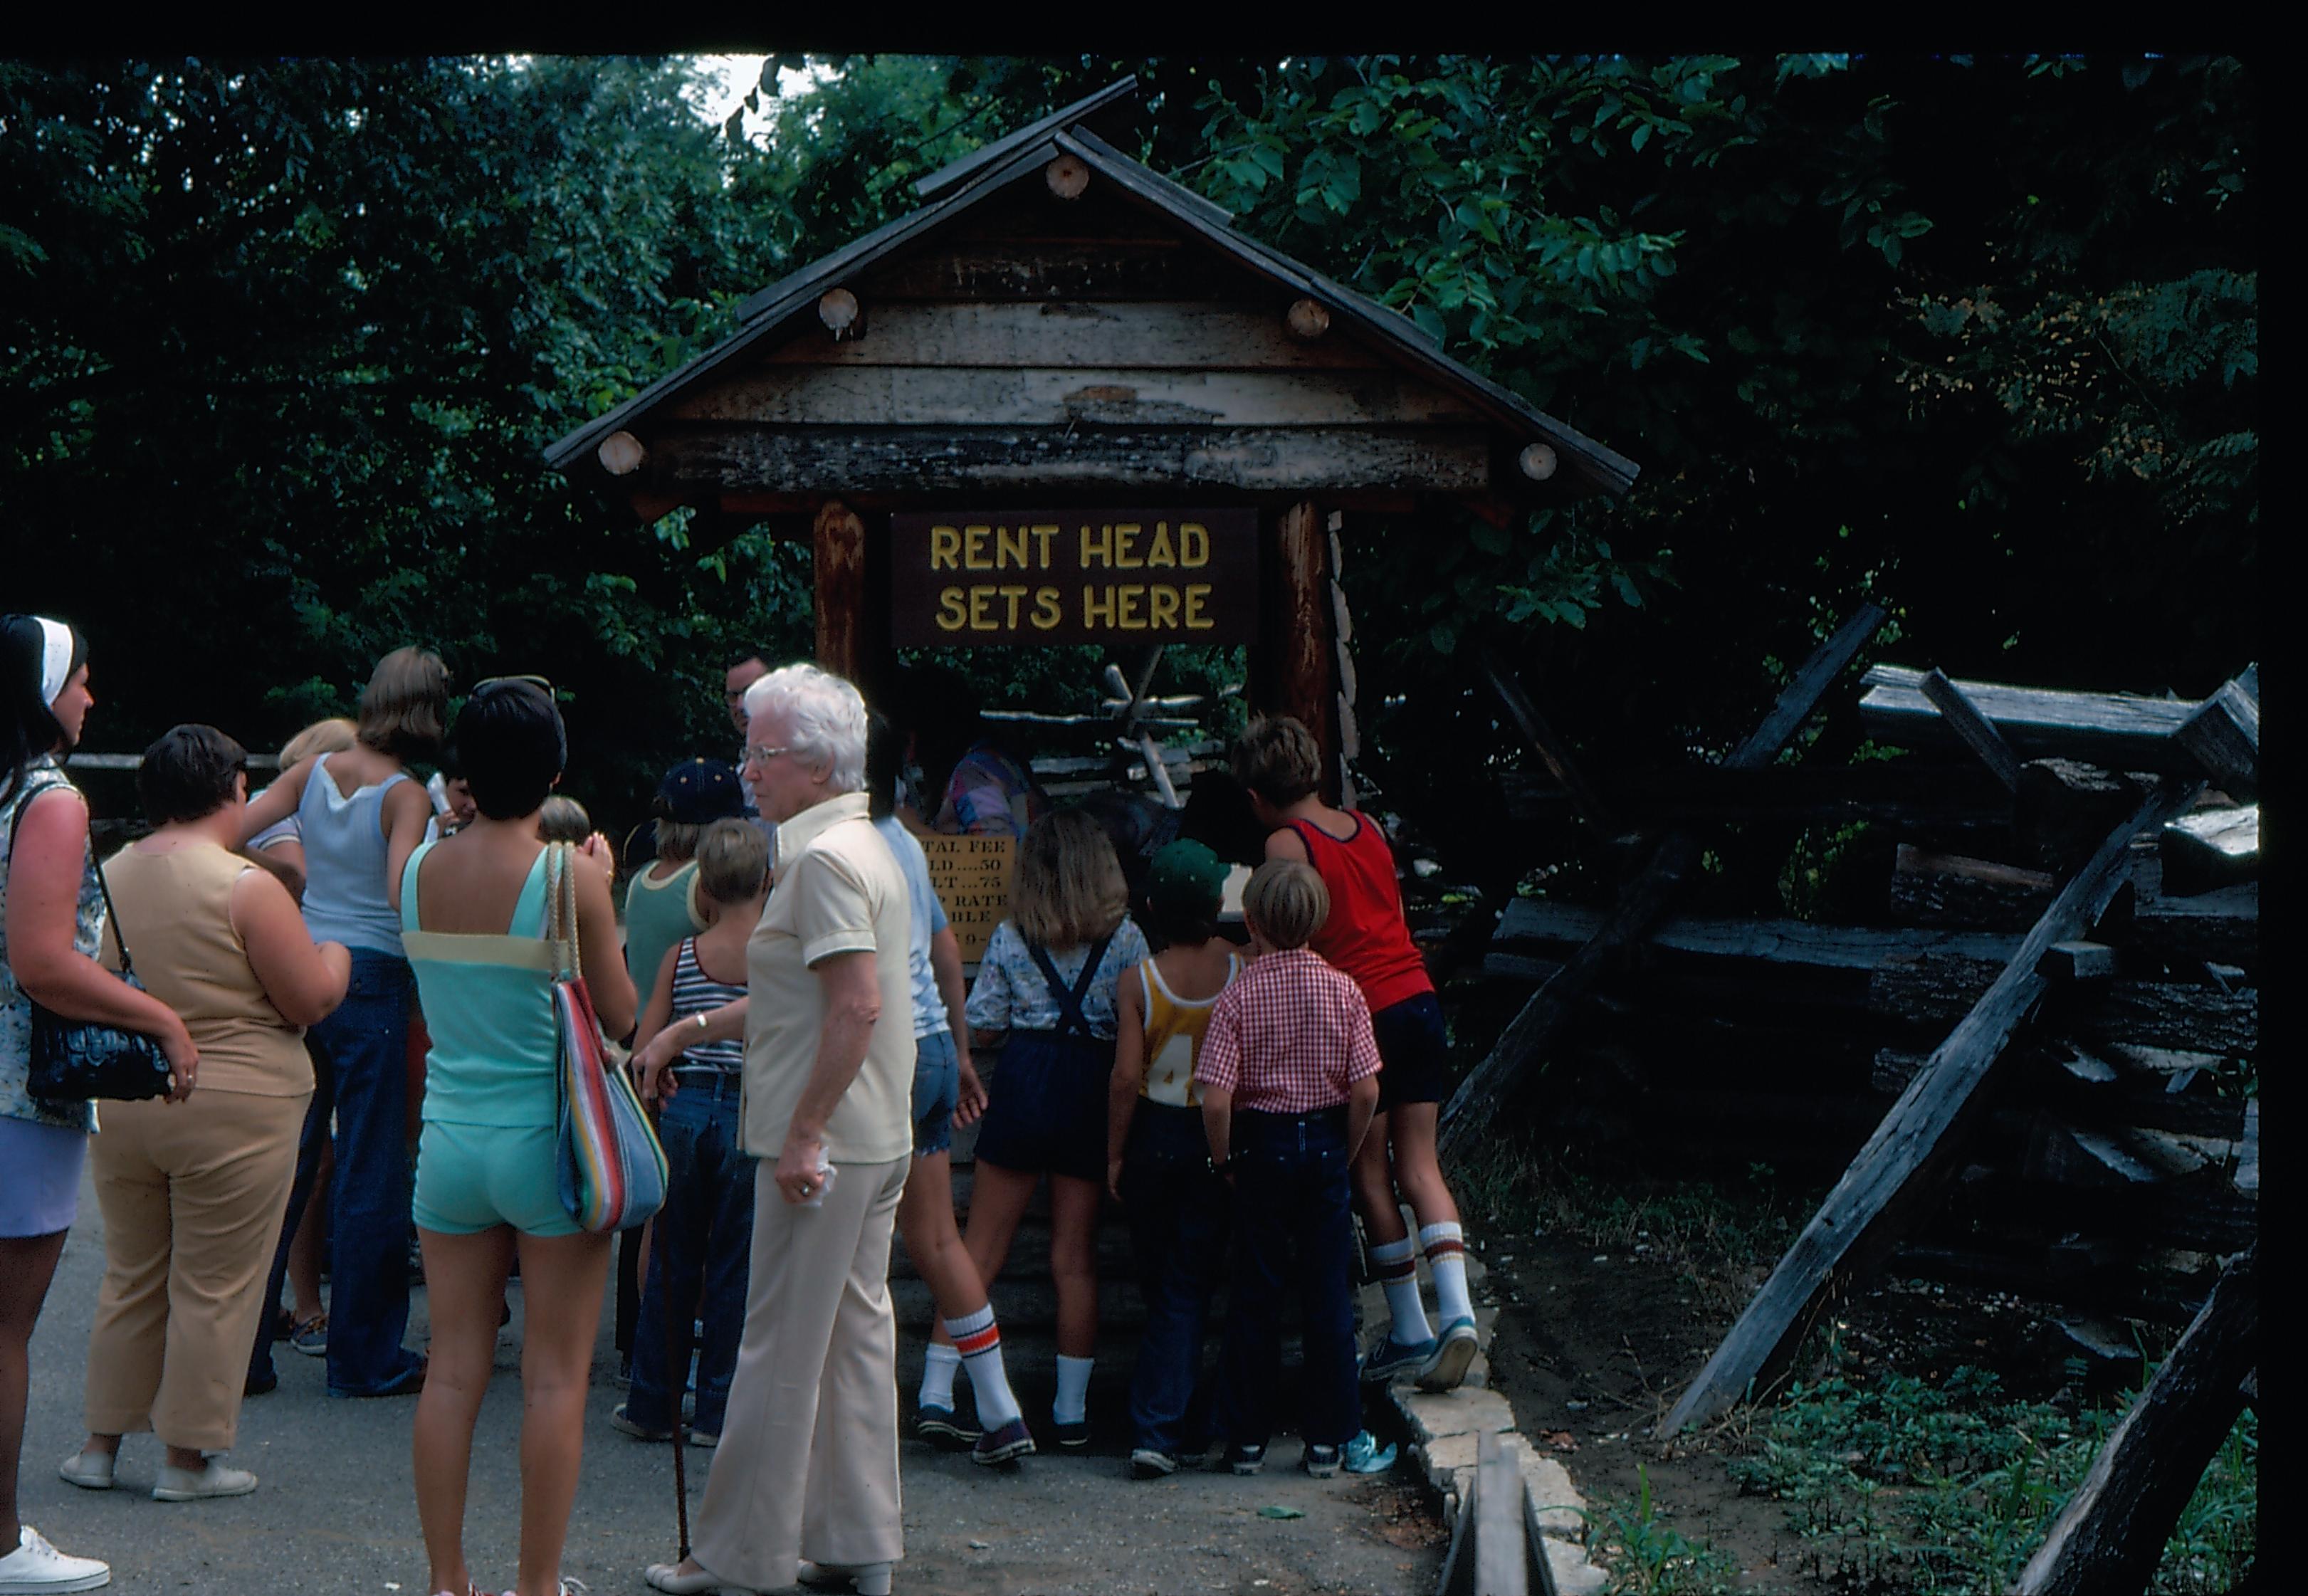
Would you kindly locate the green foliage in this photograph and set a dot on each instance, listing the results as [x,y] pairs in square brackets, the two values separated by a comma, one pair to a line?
[1646,1556]
[1948,1486]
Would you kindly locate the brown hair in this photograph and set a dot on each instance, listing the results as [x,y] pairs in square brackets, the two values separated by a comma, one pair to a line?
[1276,758]
[404,710]
[563,820]
[332,736]
[733,860]
[1285,903]
[1069,888]
[677,842]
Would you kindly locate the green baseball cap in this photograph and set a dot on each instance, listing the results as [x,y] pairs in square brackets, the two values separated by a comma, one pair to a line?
[1185,878]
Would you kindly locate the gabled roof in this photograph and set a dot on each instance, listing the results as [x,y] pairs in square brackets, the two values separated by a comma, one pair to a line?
[955,190]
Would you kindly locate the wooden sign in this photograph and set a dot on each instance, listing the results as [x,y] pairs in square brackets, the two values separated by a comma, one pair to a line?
[972,878]
[1139,575]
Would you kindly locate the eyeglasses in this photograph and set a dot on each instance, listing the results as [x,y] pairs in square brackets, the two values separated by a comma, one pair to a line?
[537,682]
[758,753]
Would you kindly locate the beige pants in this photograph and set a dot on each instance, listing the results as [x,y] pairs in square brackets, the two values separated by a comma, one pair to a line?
[193,1194]
[808,1460]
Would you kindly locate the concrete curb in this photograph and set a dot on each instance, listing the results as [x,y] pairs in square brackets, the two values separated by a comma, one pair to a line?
[1444,1428]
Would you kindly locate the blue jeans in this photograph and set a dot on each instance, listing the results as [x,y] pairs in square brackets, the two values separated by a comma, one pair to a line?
[1177,1213]
[367,1041]
[1291,1216]
[699,1253]
[311,1139]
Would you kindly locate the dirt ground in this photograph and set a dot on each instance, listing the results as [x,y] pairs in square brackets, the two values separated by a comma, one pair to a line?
[1592,1349]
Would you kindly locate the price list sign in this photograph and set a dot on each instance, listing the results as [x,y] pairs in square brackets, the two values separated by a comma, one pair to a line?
[972,878]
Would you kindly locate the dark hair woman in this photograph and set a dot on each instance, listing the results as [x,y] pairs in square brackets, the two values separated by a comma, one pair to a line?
[193,1196]
[51,925]
[360,816]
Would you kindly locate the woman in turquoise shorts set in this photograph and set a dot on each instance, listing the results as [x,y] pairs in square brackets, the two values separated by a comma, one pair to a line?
[473,918]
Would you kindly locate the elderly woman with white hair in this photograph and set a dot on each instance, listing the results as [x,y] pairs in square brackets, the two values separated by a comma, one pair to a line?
[808,1458]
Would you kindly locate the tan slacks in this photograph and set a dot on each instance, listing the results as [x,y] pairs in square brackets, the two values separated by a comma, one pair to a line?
[193,1196]
[808,1465]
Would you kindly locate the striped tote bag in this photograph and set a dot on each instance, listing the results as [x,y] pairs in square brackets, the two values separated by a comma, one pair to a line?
[612,1168]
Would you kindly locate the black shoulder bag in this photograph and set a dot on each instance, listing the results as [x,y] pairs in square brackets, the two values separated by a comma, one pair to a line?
[73,1060]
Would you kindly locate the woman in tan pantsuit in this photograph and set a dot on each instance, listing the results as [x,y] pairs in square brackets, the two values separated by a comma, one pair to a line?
[194,1193]
[808,1458]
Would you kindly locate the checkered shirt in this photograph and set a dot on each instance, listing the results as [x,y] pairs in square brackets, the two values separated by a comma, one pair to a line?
[1291,1036]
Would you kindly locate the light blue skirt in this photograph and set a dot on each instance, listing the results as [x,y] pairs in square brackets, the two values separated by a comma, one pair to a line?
[40,1177]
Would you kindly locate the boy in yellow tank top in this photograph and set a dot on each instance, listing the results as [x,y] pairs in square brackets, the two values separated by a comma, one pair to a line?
[1157,1158]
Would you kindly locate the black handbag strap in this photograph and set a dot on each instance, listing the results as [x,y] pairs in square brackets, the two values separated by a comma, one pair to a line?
[1069,1002]
[88,857]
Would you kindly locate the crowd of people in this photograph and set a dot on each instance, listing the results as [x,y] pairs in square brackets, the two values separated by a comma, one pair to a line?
[351,979]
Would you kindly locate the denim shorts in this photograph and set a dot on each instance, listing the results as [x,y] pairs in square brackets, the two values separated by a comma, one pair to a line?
[1046,1105]
[1415,1051]
[472,1177]
[937,1088]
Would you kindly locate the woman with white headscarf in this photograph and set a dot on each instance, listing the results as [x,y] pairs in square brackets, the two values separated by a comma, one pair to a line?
[51,921]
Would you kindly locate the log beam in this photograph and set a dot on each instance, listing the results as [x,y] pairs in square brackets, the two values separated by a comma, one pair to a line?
[1899,1174]
[1551,749]
[1304,680]
[1975,731]
[2224,735]
[838,548]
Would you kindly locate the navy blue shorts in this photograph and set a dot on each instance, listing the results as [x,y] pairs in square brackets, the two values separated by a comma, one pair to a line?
[1416,1050]
[1046,1105]
[937,1088]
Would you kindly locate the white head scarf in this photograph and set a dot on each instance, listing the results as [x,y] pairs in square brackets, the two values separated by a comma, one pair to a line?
[55,656]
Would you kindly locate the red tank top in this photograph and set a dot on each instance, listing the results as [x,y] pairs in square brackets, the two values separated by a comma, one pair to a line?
[1365,936]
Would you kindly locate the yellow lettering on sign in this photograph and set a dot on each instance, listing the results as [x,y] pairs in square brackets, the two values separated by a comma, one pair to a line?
[981,611]
[945,547]
[1043,532]
[1008,545]
[1126,598]
[1160,553]
[1101,550]
[1193,543]
[1097,606]
[1162,607]
[1198,593]
[1047,611]
[953,610]
[1125,538]
[1013,594]
[973,547]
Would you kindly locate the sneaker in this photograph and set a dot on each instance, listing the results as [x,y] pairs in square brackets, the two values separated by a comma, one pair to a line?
[1321,1461]
[621,1420]
[90,1471]
[1151,1463]
[1244,1459]
[1003,1443]
[36,1566]
[943,1425]
[704,1438]
[1070,1433]
[212,1479]
[262,1384]
[1448,1366]
[1388,1358]
[312,1337]
[1364,1455]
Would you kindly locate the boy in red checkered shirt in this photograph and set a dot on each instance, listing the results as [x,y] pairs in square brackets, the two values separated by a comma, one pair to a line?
[1288,1075]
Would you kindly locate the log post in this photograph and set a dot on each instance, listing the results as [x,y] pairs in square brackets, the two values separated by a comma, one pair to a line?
[1977,730]
[1303,678]
[2224,735]
[838,551]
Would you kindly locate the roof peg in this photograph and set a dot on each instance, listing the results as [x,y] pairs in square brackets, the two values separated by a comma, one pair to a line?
[1307,320]
[1067,176]
[1537,462]
[621,454]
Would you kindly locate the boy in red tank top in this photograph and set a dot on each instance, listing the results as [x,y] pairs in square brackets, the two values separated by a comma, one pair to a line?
[1278,761]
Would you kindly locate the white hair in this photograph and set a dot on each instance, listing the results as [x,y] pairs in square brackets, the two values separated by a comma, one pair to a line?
[826,713]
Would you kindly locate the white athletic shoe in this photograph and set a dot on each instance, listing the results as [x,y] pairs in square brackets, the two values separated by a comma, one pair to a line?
[36,1568]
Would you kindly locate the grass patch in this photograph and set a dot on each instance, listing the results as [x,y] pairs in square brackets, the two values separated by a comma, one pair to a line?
[1646,1558]
[1893,1482]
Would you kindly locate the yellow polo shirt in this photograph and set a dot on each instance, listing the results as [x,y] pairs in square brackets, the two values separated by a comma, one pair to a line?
[839,891]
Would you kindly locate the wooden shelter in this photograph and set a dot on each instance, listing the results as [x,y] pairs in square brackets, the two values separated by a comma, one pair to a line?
[1065,400]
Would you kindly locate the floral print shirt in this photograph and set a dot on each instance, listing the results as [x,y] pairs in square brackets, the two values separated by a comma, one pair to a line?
[41,775]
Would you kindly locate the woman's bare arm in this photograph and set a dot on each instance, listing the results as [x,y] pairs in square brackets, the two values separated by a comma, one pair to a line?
[603,957]
[278,801]
[305,981]
[404,814]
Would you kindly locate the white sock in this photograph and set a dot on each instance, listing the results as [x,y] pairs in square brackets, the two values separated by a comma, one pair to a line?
[978,1342]
[1072,1403]
[1396,1262]
[1446,1259]
[937,1376]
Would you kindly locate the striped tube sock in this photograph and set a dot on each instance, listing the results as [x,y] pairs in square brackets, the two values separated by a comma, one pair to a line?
[1396,1262]
[977,1340]
[1446,1259]
[937,1376]
[1072,1403]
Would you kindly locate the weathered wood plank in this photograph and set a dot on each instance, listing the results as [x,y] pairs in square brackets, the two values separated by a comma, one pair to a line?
[1540,922]
[1550,748]
[706,461]
[2111,1532]
[2167,1014]
[1934,797]
[1095,396]
[2079,961]
[2224,735]
[2063,808]
[1503,1550]
[1946,889]
[1047,268]
[1235,335]
[1532,1031]
[2122,731]
[2222,925]
[1972,729]
[1900,1171]
[2213,848]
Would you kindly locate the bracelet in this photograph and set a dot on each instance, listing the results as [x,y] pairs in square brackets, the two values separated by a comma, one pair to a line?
[699,1018]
